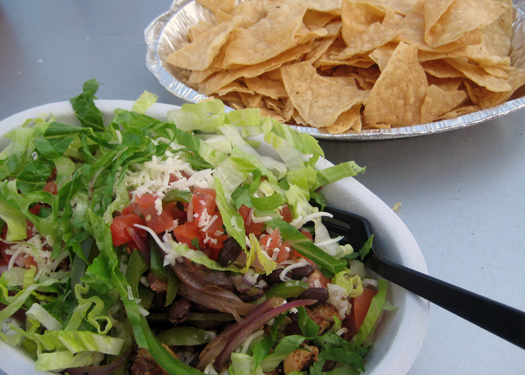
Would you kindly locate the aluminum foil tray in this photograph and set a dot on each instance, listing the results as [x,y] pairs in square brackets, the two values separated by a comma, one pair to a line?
[168,32]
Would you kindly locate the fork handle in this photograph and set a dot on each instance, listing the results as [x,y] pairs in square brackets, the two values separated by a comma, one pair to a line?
[502,320]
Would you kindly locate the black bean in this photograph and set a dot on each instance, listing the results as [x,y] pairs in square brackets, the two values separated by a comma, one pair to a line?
[319,294]
[179,311]
[229,252]
[299,273]
[250,297]
[273,278]
[194,362]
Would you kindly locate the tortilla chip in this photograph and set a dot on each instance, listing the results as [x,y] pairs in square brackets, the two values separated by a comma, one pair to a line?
[460,111]
[497,35]
[288,110]
[515,80]
[223,78]
[319,49]
[221,16]
[399,92]
[402,7]
[314,20]
[197,30]
[251,101]
[349,120]
[329,6]
[479,75]
[445,84]
[248,13]
[266,87]
[199,54]
[440,69]
[274,105]
[268,38]
[234,87]
[460,17]
[382,54]
[438,102]
[319,100]
[225,6]
[357,16]
[374,36]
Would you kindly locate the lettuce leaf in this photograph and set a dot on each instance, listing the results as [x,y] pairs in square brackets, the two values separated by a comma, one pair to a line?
[145,100]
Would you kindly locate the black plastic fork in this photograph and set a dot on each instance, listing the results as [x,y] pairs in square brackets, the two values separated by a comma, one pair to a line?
[502,320]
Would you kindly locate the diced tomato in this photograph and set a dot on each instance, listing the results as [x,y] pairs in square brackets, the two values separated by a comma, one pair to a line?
[286,213]
[318,280]
[29,229]
[249,225]
[51,187]
[119,227]
[203,201]
[270,242]
[212,253]
[205,191]
[145,200]
[35,210]
[174,178]
[53,175]
[133,208]
[285,251]
[307,234]
[360,306]
[215,232]
[29,261]
[186,232]
[175,211]
[3,245]
[157,223]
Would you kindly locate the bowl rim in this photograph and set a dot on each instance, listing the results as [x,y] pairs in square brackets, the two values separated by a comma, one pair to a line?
[407,327]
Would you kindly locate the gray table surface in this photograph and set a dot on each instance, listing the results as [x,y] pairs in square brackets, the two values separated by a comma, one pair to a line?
[462,192]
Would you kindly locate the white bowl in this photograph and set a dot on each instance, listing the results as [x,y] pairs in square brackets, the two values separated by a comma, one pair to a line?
[400,334]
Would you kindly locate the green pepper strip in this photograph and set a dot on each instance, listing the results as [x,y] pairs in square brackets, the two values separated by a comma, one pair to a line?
[184,336]
[173,287]
[306,247]
[287,289]
[157,262]
[136,267]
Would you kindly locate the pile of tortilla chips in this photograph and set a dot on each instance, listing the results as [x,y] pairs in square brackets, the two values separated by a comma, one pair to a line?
[346,65]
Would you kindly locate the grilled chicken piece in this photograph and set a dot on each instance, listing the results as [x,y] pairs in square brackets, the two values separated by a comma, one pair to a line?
[300,359]
[323,315]
[144,364]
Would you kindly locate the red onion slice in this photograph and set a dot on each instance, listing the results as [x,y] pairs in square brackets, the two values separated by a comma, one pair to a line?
[140,242]
[216,346]
[208,294]
[251,327]
[98,370]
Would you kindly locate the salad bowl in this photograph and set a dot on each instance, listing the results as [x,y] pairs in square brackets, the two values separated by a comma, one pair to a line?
[400,333]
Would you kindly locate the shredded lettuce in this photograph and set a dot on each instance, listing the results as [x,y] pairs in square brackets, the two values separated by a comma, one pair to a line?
[256,253]
[146,100]
[350,282]
[243,364]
